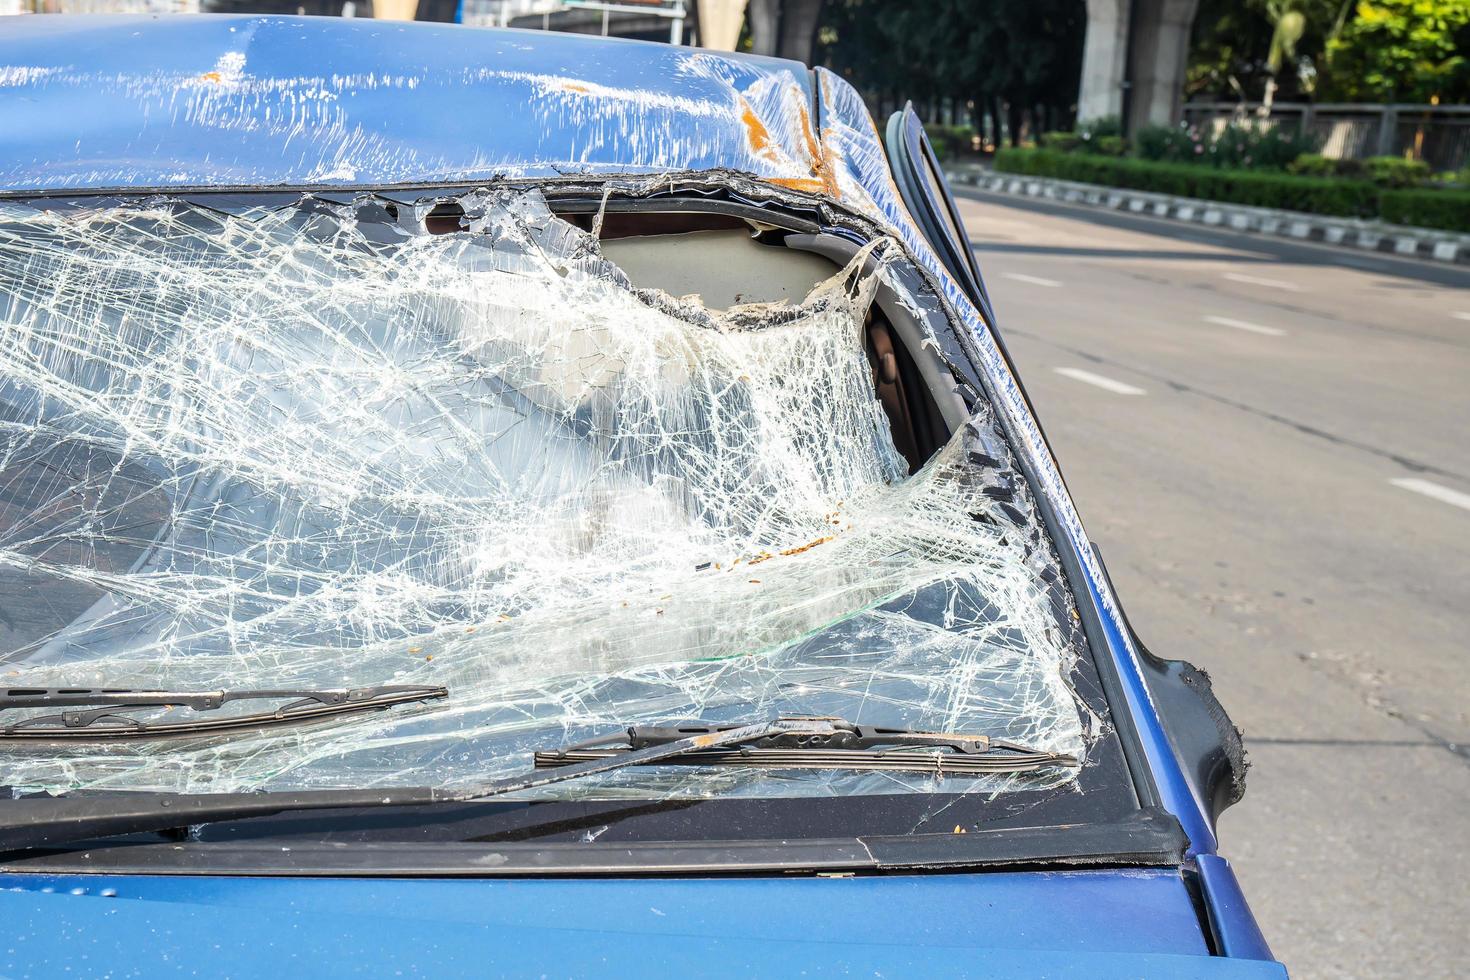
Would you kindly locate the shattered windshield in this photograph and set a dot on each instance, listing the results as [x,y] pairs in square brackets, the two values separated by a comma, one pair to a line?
[317,446]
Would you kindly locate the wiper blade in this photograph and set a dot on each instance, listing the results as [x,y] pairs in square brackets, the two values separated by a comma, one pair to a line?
[843,746]
[105,713]
[32,822]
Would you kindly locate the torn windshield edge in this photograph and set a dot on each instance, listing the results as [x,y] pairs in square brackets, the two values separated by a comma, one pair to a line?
[717,191]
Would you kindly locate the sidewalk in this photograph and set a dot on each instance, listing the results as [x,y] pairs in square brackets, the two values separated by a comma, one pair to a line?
[1373,236]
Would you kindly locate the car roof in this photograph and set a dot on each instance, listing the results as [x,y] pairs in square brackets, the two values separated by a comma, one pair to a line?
[252,101]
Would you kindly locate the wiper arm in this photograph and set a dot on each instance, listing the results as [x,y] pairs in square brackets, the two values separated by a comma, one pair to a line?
[843,746]
[106,711]
[32,822]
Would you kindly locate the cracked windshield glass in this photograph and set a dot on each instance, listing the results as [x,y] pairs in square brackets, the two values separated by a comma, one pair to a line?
[316,446]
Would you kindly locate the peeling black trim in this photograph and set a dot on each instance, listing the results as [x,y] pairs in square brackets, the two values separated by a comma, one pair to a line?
[1145,838]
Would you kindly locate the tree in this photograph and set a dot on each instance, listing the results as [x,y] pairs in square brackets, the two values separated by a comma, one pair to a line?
[1288,24]
[1342,50]
[1402,51]
[1243,50]
[986,52]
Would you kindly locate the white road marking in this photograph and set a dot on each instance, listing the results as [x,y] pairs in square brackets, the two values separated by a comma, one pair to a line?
[1098,381]
[1428,489]
[1259,281]
[1460,315]
[1033,280]
[1225,321]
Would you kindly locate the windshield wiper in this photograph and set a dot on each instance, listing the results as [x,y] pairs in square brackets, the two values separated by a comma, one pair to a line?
[36,821]
[845,746]
[105,712]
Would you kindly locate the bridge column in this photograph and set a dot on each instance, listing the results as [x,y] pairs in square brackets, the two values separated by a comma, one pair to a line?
[1149,36]
[1103,56]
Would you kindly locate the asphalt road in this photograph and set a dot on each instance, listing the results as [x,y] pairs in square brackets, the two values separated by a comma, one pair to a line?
[1270,442]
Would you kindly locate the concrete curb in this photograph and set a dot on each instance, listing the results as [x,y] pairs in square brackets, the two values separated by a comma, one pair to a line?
[1372,236]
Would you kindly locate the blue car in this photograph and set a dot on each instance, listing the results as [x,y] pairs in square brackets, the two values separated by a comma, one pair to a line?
[493,503]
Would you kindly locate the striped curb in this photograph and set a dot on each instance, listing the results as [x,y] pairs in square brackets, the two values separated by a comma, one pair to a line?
[1372,236]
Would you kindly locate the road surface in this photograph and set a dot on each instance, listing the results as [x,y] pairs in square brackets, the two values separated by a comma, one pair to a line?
[1270,442]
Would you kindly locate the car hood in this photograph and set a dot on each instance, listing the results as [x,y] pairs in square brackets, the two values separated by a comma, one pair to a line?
[1094,924]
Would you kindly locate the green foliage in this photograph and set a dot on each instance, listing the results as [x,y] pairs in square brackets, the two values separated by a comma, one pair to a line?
[1232,43]
[1446,209]
[1317,195]
[1090,129]
[1029,54]
[1395,171]
[1239,146]
[1176,144]
[1331,195]
[1402,51]
[1339,50]
[1112,146]
[1316,165]
[1060,141]
[1256,148]
[949,141]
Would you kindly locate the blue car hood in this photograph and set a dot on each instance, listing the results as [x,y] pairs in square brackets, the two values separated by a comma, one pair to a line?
[1072,924]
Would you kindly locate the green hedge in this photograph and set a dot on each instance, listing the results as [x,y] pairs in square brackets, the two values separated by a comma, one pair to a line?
[1318,195]
[1444,209]
[1449,210]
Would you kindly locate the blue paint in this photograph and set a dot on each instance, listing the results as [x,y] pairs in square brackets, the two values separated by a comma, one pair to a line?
[1233,927]
[1082,924]
[272,101]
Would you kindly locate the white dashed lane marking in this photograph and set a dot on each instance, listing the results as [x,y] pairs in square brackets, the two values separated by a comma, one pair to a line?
[1033,280]
[1098,381]
[1225,321]
[1460,315]
[1290,287]
[1434,490]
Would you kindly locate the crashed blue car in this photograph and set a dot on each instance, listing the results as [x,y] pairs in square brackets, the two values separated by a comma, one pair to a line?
[496,503]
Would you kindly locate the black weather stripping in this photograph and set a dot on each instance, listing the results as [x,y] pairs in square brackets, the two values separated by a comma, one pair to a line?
[107,713]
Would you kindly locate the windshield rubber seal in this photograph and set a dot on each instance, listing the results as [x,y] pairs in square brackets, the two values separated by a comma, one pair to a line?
[1149,837]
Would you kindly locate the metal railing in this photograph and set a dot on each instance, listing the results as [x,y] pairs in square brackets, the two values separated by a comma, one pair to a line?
[1437,134]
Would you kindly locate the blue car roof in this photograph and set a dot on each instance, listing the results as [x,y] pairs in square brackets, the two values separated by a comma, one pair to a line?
[248,101]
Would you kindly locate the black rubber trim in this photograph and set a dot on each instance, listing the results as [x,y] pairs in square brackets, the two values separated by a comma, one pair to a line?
[1210,749]
[1145,838]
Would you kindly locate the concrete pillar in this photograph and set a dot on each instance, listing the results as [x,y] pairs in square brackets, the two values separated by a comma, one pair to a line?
[1157,52]
[1103,56]
[799,29]
[765,26]
[719,23]
[1159,55]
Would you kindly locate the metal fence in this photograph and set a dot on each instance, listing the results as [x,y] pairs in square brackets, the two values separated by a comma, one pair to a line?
[1437,134]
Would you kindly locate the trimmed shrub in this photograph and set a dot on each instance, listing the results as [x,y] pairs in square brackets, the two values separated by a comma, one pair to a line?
[1101,126]
[1427,208]
[1396,171]
[1178,144]
[1112,146]
[949,141]
[1061,142]
[1445,209]
[1263,149]
[1343,198]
